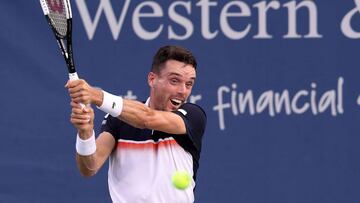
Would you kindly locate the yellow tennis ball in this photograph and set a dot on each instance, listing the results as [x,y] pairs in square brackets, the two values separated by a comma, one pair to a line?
[181,179]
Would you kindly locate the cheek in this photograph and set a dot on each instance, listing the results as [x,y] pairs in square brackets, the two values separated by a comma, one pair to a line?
[158,85]
[168,90]
[167,87]
[163,88]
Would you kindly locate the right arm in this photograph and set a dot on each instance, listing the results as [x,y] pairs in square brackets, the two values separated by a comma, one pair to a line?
[134,113]
[83,120]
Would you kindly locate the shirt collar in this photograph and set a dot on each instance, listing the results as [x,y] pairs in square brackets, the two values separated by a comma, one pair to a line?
[147,103]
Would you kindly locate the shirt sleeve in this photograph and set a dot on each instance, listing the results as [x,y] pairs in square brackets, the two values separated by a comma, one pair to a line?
[195,122]
[110,125]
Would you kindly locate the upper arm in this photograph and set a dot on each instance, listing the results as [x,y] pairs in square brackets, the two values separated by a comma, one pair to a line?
[186,120]
[189,119]
[168,122]
[140,115]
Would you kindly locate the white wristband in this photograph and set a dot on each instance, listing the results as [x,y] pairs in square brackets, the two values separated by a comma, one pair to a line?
[86,147]
[111,104]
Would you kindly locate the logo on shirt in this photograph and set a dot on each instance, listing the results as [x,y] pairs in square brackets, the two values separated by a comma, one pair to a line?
[182,111]
[104,121]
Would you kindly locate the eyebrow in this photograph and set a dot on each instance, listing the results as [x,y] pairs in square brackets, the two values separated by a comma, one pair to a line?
[177,74]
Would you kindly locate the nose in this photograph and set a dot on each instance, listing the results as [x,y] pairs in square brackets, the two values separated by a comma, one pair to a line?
[181,89]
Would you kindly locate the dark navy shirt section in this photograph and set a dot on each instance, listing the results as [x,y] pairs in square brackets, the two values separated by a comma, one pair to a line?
[195,121]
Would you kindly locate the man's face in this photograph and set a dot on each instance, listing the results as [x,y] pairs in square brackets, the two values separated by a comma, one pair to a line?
[172,86]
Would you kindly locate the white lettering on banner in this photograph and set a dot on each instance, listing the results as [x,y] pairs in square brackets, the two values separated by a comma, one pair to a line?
[346,27]
[225,14]
[292,16]
[263,8]
[234,11]
[221,106]
[205,19]
[186,23]
[276,102]
[195,98]
[230,102]
[106,7]
[139,30]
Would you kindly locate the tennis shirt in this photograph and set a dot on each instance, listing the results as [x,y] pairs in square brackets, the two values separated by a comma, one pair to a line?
[143,161]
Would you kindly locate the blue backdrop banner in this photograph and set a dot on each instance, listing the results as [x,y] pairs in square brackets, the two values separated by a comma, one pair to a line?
[278,79]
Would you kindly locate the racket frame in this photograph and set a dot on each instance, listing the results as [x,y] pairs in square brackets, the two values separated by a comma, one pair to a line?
[66,49]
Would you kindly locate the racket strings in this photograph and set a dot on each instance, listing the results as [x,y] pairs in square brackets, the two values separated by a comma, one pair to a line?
[57,15]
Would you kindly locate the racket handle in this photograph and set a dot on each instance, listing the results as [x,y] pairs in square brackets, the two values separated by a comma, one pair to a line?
[74,76]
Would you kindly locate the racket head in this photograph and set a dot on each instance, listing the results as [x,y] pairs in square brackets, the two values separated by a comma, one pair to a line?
[58,13]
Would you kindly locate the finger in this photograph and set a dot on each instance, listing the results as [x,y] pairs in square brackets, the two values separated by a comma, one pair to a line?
[80,98]
[86,110]
[77,83]
[83,102]
[75,105]
[78,86]
[81,116]
[77,111]
[79,124]
[74,83]
[80,93]
[78,121]
[75,89]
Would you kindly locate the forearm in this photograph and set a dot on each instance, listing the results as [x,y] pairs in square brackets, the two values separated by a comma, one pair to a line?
[136,114]
[86,152]
[132,112]
[87,165]
[91,152]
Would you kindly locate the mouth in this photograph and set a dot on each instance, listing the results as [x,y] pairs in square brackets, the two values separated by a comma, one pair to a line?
[176,102]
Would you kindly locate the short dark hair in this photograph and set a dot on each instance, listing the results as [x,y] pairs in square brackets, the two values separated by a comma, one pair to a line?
[171,52]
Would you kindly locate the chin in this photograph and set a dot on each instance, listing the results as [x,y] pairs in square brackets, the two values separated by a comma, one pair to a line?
[171,108]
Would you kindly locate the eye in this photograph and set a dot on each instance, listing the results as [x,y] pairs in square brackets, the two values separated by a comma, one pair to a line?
[174,81]
[189,84]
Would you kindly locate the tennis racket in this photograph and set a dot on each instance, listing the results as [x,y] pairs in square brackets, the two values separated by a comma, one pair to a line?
[59,16]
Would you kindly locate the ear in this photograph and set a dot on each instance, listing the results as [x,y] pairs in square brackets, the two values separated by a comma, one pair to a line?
[151,79]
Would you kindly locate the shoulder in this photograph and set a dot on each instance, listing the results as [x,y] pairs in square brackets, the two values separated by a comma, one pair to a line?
[194,117]
[112,125]
[193,109]
[110,120]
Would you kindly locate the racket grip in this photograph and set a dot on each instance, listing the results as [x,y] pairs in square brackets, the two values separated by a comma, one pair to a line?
[74,76]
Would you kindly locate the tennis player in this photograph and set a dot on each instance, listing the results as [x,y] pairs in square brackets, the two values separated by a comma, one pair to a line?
[146,142]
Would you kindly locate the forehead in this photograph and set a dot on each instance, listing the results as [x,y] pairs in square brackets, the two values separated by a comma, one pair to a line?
[173,67]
